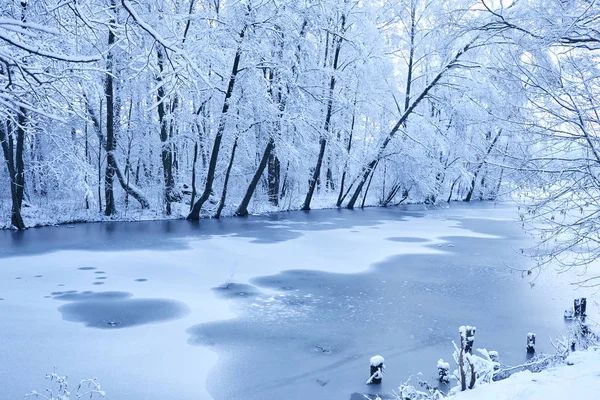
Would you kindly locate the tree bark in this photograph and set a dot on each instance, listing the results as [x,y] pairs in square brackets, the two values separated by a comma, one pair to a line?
[166,150]
[6,139]
[110,122]
[273,177]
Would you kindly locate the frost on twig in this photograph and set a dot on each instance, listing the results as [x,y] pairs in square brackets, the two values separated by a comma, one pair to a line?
[59,389]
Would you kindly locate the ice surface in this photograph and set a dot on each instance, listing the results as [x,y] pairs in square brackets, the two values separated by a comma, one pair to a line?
[283,306]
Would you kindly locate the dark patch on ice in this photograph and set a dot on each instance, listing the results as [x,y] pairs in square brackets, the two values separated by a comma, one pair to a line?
[61,293]
[99,272]
[322,350]
[86,268]
[115,310]
[140,280]
[233,290]
[18,277]
[1,298]
[101,277]
[47,297]
[98,283]
[61,284]
[407,239]
[73,295]
[166,235]
[38,276]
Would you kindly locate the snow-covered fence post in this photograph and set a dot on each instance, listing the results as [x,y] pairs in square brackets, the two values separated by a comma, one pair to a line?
[470,338]
[495,357]
[531,342]
[576,308]
[467,337]
[569,313]
[443,368]
[377,369]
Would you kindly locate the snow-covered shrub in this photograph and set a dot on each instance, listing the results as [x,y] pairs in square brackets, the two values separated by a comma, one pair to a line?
[59,389]
[406,391]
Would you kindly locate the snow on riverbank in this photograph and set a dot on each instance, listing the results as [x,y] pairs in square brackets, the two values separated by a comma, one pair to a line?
[578,379]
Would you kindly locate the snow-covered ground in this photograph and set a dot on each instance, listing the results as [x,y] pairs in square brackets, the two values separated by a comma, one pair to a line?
[291,305]
[578,379]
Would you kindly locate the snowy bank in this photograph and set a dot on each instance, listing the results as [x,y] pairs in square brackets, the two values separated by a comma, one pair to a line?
[578,379]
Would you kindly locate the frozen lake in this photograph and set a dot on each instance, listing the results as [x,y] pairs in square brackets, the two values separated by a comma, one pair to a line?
[289,306]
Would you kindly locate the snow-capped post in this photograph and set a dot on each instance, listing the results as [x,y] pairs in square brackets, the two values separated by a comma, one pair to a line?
[531,342]
[443,369]
[495,357]
[576,308]
[377,370]
[467,337]
[569,313]
[470,338]
[583,307]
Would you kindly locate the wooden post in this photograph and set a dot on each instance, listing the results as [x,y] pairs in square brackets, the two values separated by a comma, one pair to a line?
[377,369]
[531,342]
[443,371]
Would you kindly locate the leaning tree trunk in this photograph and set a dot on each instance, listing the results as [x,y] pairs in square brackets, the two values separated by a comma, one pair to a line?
[366,171]
[212,165]
[480,166]
[242,210]
[227,174]
[132,191]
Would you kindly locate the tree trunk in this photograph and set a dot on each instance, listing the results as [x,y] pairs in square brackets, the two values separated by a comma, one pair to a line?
[348,148]
[478,170]
[166,150]
[212,165]
[273,176]
[7,148]
[227,174]
[323,141]
[194,174]
[367,189]
[132,191]
[242,210]
[110,122]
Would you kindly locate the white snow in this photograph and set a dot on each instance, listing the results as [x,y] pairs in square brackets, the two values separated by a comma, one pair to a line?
[377,360]
[578,379]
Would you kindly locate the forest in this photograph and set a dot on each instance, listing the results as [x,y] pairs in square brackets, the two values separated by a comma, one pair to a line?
[148,109]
